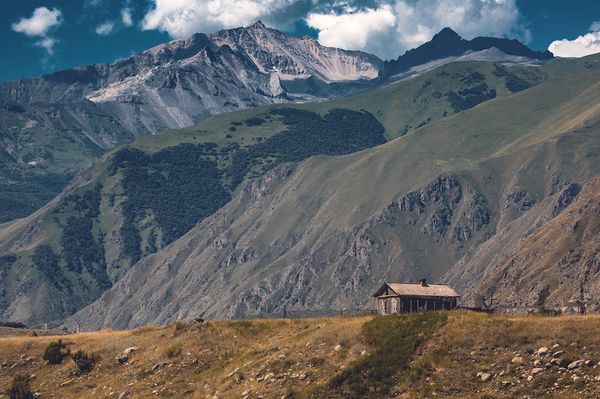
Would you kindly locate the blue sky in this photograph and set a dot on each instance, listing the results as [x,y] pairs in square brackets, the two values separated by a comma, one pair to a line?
[46,36]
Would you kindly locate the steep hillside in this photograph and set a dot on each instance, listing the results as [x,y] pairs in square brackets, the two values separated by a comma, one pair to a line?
[324,233]
[546,266]
[42,146]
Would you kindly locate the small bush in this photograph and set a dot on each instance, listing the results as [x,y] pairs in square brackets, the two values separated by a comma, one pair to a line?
[173,351]
[181,327]
[85,362]
[54,353]
[19,388]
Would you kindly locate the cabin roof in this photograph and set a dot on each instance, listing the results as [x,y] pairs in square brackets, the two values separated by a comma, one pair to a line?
[418,290]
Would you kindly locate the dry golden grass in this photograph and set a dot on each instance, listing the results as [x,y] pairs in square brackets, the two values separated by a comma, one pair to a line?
[223,359]
[448,365]
[297,358]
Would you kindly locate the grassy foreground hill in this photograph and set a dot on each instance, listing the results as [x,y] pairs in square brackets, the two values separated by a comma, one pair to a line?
[443,354]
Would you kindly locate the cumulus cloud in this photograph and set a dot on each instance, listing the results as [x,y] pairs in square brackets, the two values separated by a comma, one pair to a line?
[105,28]
[351,30]
[580,47]
[126,16]
[385,27]
[40,22]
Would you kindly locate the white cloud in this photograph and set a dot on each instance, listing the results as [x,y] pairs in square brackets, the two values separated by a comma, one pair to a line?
[385,27]
[580,47]
[351,30]
[40,22]
[126,17]
[47,43]
[182,18]
[105,28]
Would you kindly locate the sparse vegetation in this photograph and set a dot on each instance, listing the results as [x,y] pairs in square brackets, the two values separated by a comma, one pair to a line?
[55,352]
[85,363]
[19,388]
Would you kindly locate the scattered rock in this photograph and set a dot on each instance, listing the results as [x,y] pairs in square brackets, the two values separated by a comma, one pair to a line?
[32,376]
[517,360]
[542,351]
[530,378]
[233,372]
[557,354]
[537,370]
[156,366]
[124,394]
[574,365]
[485,377]
[129,350]
[121,359]
[505,383]
[537,363]
[363,353]
[337,348]
[302,377]
[37,395]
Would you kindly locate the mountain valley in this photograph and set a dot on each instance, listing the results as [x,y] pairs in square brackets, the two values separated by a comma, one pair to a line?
[452,176]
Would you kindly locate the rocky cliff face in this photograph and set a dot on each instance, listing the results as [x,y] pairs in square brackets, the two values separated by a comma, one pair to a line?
[545,259]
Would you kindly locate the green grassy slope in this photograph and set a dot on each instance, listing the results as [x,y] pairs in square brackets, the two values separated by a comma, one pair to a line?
[569,66]
[42,146]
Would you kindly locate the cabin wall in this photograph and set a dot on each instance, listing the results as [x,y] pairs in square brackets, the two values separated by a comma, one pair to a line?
[391,305]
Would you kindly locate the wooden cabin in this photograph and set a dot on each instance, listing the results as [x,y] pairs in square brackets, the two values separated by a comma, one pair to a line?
[407,298]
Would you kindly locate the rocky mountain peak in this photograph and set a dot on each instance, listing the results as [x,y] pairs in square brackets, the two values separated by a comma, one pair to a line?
[448,45]
[446,35]
[257,25]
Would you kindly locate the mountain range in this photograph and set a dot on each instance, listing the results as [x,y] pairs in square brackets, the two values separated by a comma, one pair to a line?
[57,124]
[308,206]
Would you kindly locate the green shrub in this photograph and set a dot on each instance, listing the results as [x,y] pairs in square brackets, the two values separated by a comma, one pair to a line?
[394,338]
[85,362]
[19,388]
[54,353]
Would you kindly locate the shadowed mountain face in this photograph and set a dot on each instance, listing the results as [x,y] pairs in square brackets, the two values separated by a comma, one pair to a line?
[447,44]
